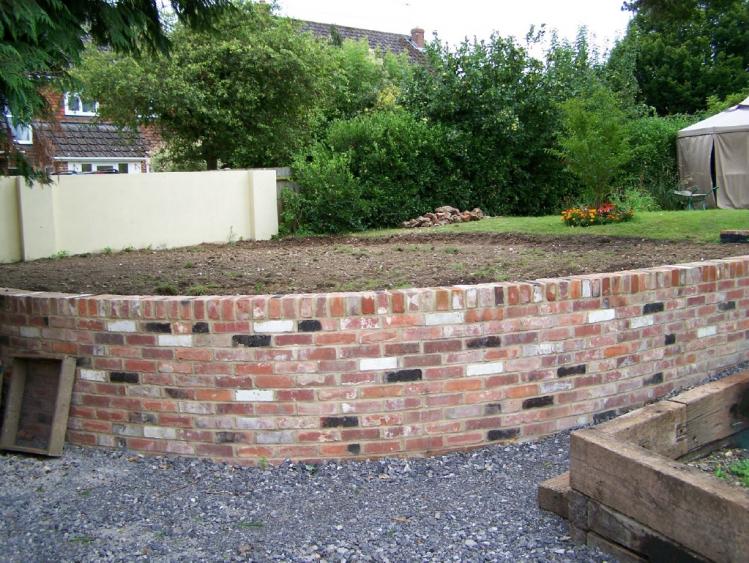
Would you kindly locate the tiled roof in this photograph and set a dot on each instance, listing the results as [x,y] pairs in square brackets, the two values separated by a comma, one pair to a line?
[90,140]
[393,42]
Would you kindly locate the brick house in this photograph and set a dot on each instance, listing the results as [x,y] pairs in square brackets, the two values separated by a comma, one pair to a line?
[74,141]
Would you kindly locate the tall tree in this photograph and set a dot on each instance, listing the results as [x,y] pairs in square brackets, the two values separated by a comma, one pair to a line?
[688,50]
[41,39]
[247,94]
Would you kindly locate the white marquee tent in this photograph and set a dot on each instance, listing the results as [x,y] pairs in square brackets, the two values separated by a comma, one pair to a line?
[715,152]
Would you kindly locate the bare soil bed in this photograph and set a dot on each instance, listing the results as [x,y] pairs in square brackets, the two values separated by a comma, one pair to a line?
[324,264]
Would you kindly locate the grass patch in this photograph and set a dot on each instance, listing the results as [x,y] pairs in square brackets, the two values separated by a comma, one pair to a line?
[250,525]
[693,226]
[739,469]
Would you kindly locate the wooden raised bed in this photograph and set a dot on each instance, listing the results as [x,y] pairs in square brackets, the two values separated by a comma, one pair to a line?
[628,493]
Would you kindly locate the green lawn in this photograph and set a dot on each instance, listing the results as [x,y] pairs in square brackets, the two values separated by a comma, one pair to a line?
[695,226]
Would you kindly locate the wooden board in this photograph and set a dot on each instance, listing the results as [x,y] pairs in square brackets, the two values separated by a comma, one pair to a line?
[66,378]
[621,554]
[660,427]
[637,538]
[552,494]
[715,410]
[707,516]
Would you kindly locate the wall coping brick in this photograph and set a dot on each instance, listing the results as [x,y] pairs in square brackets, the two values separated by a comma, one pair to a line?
[400,372]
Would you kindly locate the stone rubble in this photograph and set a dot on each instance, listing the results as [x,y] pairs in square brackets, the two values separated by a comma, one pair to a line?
[444,215]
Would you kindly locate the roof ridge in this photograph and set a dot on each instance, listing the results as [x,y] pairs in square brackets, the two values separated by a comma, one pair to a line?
[403,35]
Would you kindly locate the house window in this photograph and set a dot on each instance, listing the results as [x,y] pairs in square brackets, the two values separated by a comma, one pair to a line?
[22,134]
[105,167]
[74,105]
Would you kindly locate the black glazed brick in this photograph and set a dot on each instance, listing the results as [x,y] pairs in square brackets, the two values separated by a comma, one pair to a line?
[669,339]
[176,393]
[123,377]
[251,340]
[600,417]
[484,342]
[536,402]
[336,421]
[354,449]
[227,437]
[502,434]
[492,408]
[45,320]
[108,338]
[566,371]
[309,326]
[404,375]
[81,361]
[654,379]
[200,328]
[4,340]
[650,308]
[499,296]
[142,417]
[164,328]
[727,306]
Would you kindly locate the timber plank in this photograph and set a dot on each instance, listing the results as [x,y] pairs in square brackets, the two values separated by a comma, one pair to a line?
[696,510]
[552,494]
[716,410]
[660,427]
[622,554]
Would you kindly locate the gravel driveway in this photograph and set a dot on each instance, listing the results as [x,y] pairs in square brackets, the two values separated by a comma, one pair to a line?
[97,505]
[93,505]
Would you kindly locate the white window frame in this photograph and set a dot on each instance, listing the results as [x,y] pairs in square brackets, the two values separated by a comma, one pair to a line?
[133,166]
[20,132]
[69,111]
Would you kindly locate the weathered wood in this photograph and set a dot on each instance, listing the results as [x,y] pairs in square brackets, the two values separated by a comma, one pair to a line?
[716,410]
[660,427]
[694,509]
[578,509]
[13,406]
[621,554]
[634,536]
[65,380]
[62,406]
[552,494]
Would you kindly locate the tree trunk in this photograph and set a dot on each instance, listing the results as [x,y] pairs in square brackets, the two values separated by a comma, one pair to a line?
[211,162]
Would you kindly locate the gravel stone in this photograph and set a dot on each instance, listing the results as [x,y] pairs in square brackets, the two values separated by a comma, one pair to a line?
[97,505]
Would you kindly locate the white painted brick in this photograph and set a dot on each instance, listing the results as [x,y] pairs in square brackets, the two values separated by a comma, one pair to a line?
[177,340]
[274,326]
[587,288]
[543,349]
[639,322]
[30,332]
[538,294]
[554,386]
[601,315]
[433,319]
[255,395]
[704,331]
[159,432]
[369,364]
[121,326]
[485,369]
[93,375]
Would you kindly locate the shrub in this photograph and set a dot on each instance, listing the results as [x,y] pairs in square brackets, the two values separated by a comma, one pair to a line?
[604,213]
[375,170]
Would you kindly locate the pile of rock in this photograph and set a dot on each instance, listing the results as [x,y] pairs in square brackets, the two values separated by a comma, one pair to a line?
[444,216]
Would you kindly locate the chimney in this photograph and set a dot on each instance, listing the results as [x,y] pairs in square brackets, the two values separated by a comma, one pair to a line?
[417,37]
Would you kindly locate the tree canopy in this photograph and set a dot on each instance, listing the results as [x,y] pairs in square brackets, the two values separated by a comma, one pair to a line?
[43,39]
[688,50]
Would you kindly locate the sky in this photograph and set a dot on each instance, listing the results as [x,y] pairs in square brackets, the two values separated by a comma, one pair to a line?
[458,19]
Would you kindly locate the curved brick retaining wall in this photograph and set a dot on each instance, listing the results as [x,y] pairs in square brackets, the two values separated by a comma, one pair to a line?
[406,372]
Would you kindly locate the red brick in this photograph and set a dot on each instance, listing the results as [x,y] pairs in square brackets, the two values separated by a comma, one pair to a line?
[217,395]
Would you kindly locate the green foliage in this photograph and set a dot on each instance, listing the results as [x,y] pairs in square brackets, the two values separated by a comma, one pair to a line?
[689,50]
[41,39]
[377,169]
[497,105]
[248,94]
[330,200]
[635,199]
[593,142]
[717,105]
[652,168]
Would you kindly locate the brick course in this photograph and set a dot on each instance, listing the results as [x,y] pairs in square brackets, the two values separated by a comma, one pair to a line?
[402,372]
